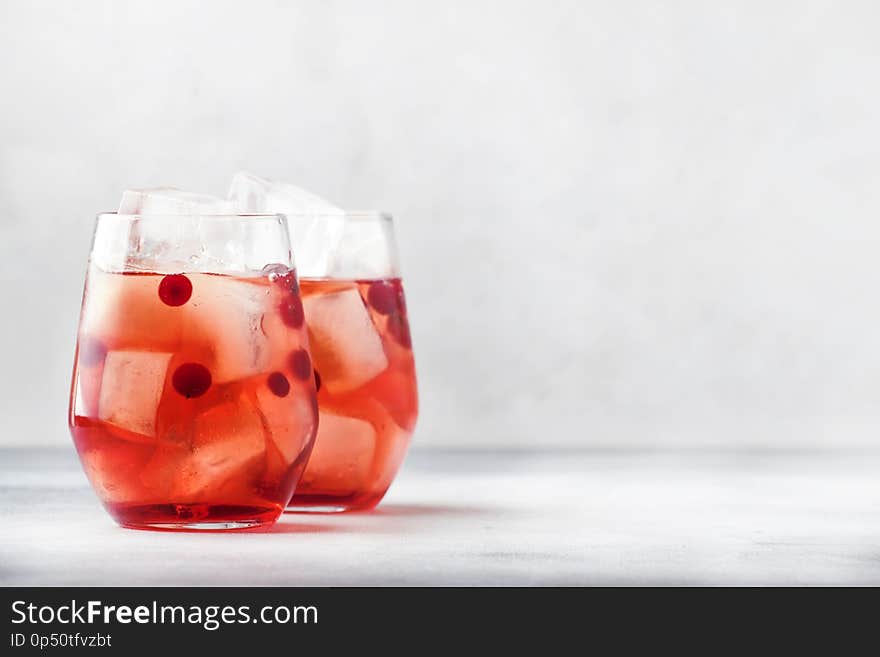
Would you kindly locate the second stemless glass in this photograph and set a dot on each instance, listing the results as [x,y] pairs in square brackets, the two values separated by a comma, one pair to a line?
[362,358]
[185,408]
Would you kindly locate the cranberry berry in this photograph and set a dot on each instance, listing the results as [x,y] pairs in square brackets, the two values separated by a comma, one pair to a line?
[191,380]
[292,311]
[399,328]
[301,364]
[384,297]
[278,384]
[175,290]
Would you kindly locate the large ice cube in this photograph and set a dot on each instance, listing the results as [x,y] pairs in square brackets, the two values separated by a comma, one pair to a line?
[395,391]
[316,226]
[342,457]
[345,345]
[290,420]
[126,311]
[172,233]
[170,200]
[228,312]
[256,194]
[89,373]
[365,250]
[229,442]
[131,389]
[226,451]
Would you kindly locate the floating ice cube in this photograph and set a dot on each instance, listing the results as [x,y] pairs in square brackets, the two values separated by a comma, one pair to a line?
[395,391]
[229,442]
[89,373]
[252,193]
[88,390]
[343,340]
[170,200]
[343,453]
[131,389]
[226,451]
[171,233]
[316,226]
[290,419]
[126,311]
[365,250]
[228,313]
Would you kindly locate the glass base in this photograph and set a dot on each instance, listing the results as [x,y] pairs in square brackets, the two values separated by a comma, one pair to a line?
[317,508]
[197,526]
[329,503]
[193,517]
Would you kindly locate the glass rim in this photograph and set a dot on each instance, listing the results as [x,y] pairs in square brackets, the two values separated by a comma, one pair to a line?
[356,215]
[250,216]
[348,215]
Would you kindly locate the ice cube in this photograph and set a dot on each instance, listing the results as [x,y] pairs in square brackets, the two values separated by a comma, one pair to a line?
[290,419]
[229,441]
[89,373]
[345,344]
[228,312]
[87,387]
[170,234]
[226,450]
[126,311]
[170,200]
[395,391]
[365,250]
[131,389]
[252,193]
[342,457]
[316,226]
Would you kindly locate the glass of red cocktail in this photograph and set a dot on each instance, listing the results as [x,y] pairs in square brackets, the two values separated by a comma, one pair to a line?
[363,363]
[188,407]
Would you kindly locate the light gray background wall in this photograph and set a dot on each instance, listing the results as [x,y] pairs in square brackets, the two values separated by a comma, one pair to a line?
[621,222]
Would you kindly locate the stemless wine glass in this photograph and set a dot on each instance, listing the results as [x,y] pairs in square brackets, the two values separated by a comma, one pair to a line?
[362,358]
[184,407]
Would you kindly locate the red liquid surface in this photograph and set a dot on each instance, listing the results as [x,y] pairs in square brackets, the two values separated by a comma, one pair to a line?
[362,355]
[184,408]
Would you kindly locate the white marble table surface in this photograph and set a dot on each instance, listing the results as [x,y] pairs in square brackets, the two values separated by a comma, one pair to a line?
[486,518]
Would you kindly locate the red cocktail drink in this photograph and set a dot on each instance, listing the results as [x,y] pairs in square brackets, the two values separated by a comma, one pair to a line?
[365,372]
[185,409]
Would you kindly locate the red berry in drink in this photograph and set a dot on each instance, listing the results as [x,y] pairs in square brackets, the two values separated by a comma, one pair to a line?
[289,282]
[398,327]
[278,384]
[301,364]
[384,297]
[292,311]
[191,380]
[175,290]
